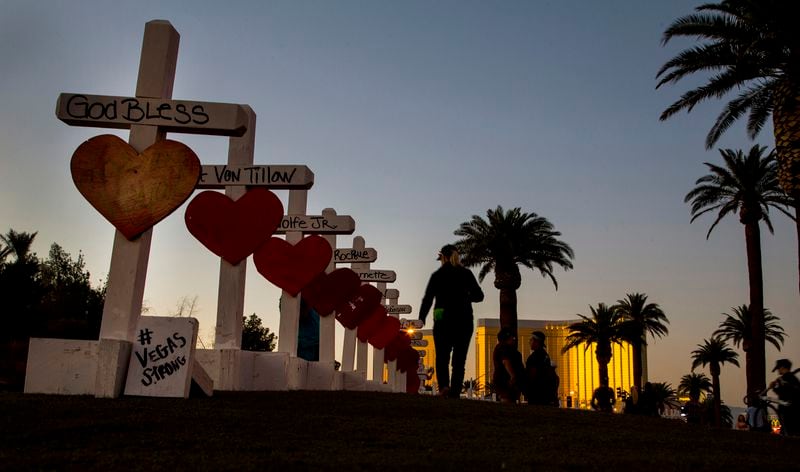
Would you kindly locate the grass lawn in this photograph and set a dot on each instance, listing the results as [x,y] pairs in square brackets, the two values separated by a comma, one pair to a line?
[360,431]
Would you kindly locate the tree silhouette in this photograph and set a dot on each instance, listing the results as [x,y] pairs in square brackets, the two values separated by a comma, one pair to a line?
[504,241]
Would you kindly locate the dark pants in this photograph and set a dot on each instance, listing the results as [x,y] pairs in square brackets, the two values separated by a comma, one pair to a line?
[451,338]
[788,416]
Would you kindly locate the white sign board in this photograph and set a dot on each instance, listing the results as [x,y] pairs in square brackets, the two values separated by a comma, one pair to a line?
[376,275]
[316,224]
[271,176]
[419,342]
[174,116]
[416,324]
[398,309]
[353,255]
[161,357]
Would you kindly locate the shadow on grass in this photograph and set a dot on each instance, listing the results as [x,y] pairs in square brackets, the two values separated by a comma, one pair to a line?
[359,431]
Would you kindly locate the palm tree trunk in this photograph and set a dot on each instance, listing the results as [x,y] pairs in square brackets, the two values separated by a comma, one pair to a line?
[636,352]
[508,309]
[603,356]
[786,126]
[755,356]
[717,399]
[796,203]
[507,279]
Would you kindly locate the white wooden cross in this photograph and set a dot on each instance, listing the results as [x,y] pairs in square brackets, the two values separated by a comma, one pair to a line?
[294,225]
[351,346]
[149,116]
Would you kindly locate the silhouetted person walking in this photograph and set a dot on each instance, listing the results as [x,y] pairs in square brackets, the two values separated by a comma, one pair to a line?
[454,289]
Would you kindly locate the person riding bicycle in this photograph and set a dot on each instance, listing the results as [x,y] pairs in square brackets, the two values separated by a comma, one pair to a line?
[787,387]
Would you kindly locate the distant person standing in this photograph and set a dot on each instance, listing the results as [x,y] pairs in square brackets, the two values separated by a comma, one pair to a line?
[787,387]
[741,423]
[603,398]
[542,381]
[508,376]
[454,289]
[757,414]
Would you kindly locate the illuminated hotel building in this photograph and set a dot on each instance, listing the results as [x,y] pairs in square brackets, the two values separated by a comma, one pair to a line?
[577,368]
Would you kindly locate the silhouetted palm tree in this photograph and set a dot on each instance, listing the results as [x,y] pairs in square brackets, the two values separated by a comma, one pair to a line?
[714,352]
[709,415]
[602,329]
[503,242]
[736,328]
[18,244]
[640,318]
[747,185]
[664,396]
[693,385]
[751,47]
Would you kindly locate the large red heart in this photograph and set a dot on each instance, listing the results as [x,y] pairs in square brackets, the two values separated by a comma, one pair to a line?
[292,267]
[134,191]
[412,383]
[326,291]
[234,229]
[408,360]
[371,323]
[385,333]
[352,312]
[399,342]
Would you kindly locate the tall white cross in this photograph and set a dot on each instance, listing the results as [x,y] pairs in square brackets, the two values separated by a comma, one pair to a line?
[149,116]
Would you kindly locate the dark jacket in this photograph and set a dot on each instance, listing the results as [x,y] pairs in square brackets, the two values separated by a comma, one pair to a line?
[455,290]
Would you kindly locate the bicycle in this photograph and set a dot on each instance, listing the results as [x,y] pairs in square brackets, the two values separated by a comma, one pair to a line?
[773,403]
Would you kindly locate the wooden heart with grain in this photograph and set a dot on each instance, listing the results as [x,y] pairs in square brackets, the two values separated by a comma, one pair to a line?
[327,291]
[234,229]
[292,267]
[132,190]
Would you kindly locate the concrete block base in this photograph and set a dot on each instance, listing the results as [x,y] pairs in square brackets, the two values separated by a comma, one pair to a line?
[320,376]
[61,366]
[353,381]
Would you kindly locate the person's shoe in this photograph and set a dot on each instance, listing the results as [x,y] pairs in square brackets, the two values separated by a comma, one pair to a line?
[444,392]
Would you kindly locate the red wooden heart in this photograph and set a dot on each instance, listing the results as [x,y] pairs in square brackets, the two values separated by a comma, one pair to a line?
[371,323]
[352,312]
[134,191]
[408,360]
[234,229]
[399,342]
[412,383]
[385,333]
[326,291]
[292,267]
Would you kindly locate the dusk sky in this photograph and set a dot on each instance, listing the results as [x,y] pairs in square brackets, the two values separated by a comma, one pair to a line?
[414,116]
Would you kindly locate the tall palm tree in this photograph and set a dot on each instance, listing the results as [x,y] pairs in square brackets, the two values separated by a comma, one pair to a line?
[751,47]
[714,352]
[504,241]
[693,385]
[641,318]
[602,329]
[746,185]
[736,328]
